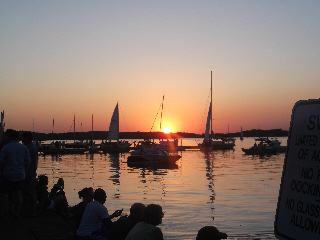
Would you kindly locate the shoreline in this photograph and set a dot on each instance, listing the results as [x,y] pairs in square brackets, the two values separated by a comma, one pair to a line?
[47,225]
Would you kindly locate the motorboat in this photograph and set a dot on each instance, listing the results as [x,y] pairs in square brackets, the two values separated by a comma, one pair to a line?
[276,144]
[217,144]
[266,146]
[151,154]
[256,150]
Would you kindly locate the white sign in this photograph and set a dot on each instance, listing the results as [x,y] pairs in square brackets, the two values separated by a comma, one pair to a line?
[298,210]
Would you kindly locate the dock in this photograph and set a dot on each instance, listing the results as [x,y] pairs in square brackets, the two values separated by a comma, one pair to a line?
[97,149]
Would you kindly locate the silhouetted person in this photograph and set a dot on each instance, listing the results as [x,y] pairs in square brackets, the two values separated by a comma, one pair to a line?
[96,221]
[57,189]
[210,233]
[123,225]
[77,211]
[31,174]
[15,161]
[6,138]
[59,203]
[261,145]
[147,229]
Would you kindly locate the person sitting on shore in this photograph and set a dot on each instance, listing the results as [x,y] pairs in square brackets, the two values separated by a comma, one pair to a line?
[96,221]
[59,203]
[147,229]
[210,233]
[77,211]
[57,189]
[123,225]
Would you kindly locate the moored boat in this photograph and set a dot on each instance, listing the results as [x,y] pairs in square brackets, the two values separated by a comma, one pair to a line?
[150,154]
[276,144]
[222,144]
[211,142]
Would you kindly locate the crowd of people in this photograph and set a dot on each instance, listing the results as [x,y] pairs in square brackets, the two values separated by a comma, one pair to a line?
[20,184]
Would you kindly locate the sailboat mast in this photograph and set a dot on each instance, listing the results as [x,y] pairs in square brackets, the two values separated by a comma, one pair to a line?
[52,127]
[211,108]
[92,131]
[2,126]
[74,127]
[161,112]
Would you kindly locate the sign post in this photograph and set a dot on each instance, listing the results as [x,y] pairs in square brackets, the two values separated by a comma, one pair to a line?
[298,209]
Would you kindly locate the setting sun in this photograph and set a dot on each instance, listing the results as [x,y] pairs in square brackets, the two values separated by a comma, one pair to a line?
[166,130]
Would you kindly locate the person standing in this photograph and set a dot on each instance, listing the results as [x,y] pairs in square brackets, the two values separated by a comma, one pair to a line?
[14,160]
[31,174]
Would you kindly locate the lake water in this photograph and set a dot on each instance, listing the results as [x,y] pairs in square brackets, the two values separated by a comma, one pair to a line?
[235,192]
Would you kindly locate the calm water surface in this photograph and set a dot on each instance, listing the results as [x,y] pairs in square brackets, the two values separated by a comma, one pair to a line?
[235,192]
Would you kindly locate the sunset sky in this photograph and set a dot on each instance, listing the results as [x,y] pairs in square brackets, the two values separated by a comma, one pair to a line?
[64,58]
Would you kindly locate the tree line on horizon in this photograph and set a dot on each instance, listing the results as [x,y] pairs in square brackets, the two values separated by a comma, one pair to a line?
[102,135]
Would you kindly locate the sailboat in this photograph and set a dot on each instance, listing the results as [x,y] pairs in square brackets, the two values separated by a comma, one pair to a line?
[211,142]
[113,144]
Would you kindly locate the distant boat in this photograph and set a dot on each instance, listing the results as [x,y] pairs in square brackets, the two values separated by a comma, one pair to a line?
[210,142]
[241,135]
[76,144]
[113,144]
